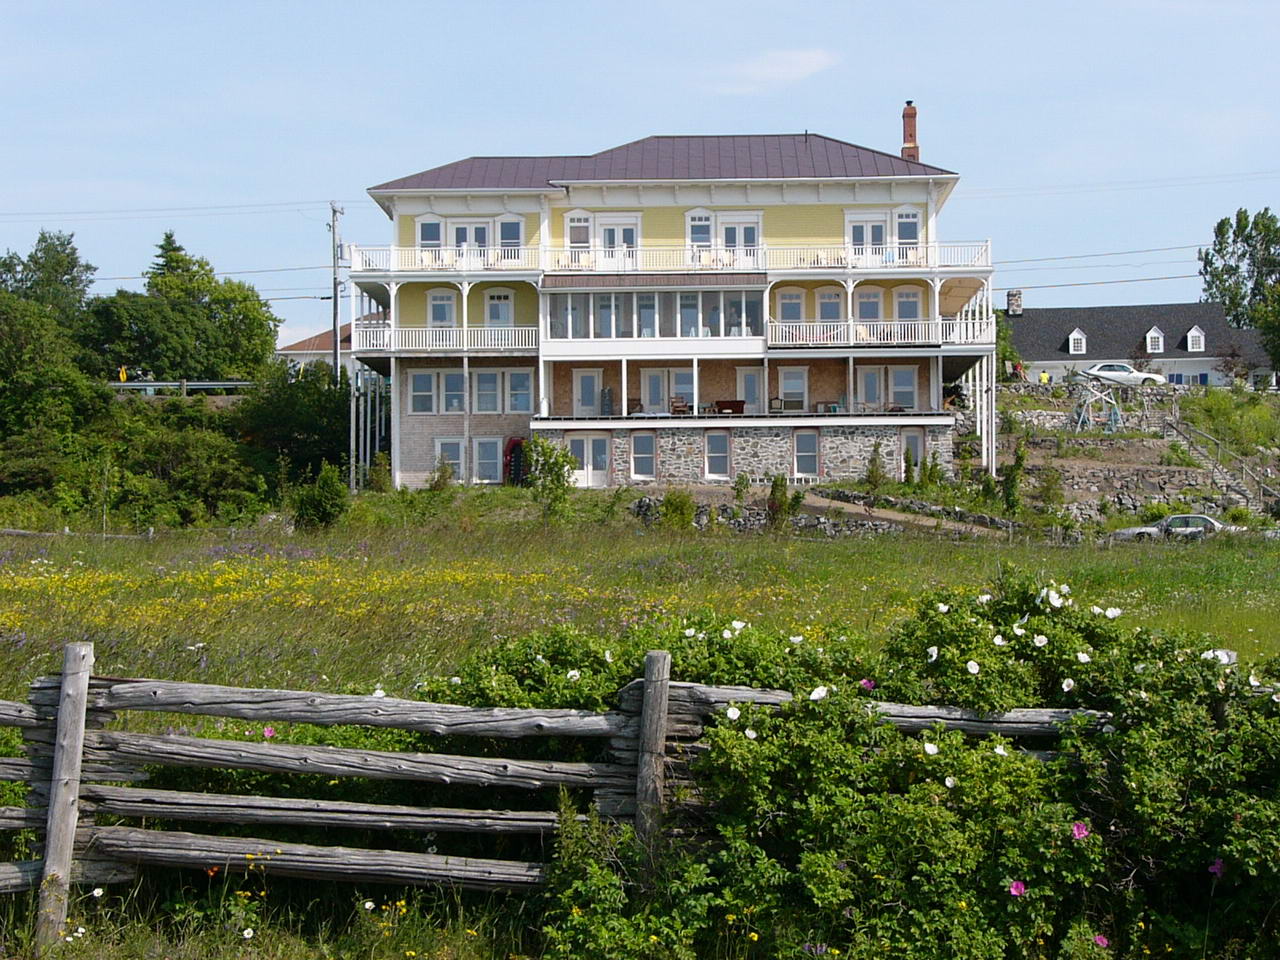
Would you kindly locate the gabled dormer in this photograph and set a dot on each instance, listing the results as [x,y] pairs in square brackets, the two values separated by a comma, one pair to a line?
[1195,340]
[1155,340]
[1077,343]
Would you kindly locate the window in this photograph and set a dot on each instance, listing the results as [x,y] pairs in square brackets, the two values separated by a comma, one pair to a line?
[498,310]
[806,460]
[646,315]
[908,229]
[830,305]
[902,387]
[441,308]
[430,234]
[682,385]
[688,315]
[449,450]
[698,225]
[790,305]
[579,230]
[866,233]
[487,392]
[717,454]
[470,234]
[644,456]
[605,308]
[711,313]
[586,393]
[1076,342]
[794,386]
[1155,340]
[487,452]
[908,304]
[1195,340]
[519,391]
[509,233]
[869,304]
[455,392]
[871,387]
[422,393]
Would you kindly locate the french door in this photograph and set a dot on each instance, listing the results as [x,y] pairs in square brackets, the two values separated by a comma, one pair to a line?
[866,237]
[750,390]
[591,459]
[618,246]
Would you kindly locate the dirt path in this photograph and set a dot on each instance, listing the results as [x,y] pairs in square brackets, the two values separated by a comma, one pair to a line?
[816,504]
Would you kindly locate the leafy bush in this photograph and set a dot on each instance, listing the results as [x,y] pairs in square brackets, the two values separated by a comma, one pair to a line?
[549,474]
[1011,480]
[380,480]
[677,510]
[1177,455]
[323,502]
[875,477]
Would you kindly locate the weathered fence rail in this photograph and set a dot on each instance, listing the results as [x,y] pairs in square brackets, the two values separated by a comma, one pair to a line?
[78,769]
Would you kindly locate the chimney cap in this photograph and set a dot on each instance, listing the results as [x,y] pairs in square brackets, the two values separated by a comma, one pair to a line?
[910,102]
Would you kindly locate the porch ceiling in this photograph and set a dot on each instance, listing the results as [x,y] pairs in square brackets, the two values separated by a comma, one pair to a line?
[956,292]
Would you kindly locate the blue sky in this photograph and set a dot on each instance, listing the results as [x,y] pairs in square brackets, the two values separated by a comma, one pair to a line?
[1078,129]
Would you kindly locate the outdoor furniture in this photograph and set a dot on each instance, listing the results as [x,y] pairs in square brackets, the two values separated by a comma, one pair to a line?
[775,404]
[679,405]
[731,406]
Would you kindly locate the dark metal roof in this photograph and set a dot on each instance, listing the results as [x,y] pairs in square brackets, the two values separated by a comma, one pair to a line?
[1120,333]
[618,281]
[764,157]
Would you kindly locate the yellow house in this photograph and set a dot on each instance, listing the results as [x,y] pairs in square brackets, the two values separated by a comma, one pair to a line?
[679,309]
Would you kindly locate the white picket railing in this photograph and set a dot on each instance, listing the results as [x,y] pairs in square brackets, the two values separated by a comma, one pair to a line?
[871,333]
[445,339]
[679,258]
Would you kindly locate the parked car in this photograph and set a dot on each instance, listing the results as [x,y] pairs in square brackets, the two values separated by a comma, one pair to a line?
[1123,374]
[1180,526]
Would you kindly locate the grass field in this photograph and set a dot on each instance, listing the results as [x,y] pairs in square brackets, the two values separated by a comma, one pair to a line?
[379,605]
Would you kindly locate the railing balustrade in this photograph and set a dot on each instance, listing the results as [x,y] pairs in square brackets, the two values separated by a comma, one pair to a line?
[675,258]
[858,333]
[445,339]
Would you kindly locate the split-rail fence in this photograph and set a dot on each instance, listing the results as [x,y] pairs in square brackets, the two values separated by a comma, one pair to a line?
[77,770]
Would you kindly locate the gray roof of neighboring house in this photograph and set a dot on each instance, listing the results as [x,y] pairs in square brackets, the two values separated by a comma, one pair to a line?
[766,157]
[1120,333]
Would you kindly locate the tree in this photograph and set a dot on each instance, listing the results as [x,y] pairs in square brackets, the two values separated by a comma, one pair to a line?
[302,419]
[146,336]
[550,474]
[1241,270]
[52,274]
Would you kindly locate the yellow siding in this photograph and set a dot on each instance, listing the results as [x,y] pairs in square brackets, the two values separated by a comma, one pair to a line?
[804,223]
[406,235]
[404,232]
[887,306]
[532,225]
[525,311]
[663,227]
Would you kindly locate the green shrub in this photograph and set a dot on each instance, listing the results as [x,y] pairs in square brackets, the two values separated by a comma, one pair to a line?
[1011,480]
[677,510]
[1049,487]
[875,477]
[1177,455]
[380,480]
[741,487]
[441,477]
[782,503]
[549,474]
[909,470]
[323,502]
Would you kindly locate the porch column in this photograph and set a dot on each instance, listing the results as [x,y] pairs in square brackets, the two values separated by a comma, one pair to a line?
[625,402]
[849,388]
[465,287]
[353,304]
[935,311]
[695,386]
[544,388]
[395,425]
[544,231]
[764,387]
[466,419]
[353,413]
[935,380]
[392,316]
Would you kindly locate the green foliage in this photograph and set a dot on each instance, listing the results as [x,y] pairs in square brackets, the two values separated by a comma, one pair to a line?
[321,503]
[1048,489]
[1177,455]
[301,417]
[379,480]
[909,469]
[875,477]
[550,469]
[1243,420]
[441,478]
[677,510]
[1007,355]
[52,275]
[1241,270]
[1011,480]
[779,505]
[741,487]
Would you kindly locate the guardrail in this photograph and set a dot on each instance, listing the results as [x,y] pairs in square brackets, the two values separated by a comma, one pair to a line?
[681,258]
[446,339]
[1246,479]
[872,333]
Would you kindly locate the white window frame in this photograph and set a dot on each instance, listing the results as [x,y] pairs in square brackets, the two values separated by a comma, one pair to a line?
[1195,340]
[909,214]
[706,454]
[875,370]
[579,215]
[909,293]
[417,231]
[507,392]
[500,295]
[472,222]
[475,391]
[782,392]
[1155,340]
[1077,335]
[475,458]
[867,292]
[828,294]
[459,474]
[699,214]
[443,374]
[497,229]
[795,452]
[789,293]
[892,401]
[432,392]
[441,294]
[631,447]
[618,221]
[868,219]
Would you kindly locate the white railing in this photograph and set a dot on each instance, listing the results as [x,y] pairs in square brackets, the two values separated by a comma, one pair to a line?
[680,258]
[445,339]
[872,333]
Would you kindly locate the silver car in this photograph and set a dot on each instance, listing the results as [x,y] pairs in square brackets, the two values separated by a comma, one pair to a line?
[1179,526]
[1124,375]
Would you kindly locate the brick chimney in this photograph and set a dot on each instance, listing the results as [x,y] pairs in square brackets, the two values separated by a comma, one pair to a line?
[910,149]
[1013,303]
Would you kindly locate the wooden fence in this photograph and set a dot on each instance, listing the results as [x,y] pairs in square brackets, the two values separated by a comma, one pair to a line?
[77,769]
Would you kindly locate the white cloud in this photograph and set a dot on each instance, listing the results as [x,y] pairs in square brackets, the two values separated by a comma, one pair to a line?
[772,69]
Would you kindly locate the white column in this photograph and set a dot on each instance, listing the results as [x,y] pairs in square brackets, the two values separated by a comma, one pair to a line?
[848,396]
[467,466]
[544,388]
[544,231]
[625,403]
[395,424]
[392,314]
[465,287]
[695,386]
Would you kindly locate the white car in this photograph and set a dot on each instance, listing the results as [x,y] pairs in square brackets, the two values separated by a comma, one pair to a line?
[1179,526]
[1123,374]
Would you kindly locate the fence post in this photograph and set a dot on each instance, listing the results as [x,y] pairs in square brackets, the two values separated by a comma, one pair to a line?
[64,793]
[651,762]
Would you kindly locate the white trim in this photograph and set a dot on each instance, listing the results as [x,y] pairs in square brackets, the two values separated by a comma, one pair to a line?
[915,384]
[785,368]
[631,455]
[762,377]
[578,214]
[419,220]
[475,458]
[1195,332]
[909,292]
[868,290]
[1079,334]
[876,370]
[1155,340]
[442,293]
[789,292]
[796,433]
[500,295]
[902,448]
[706,454]
[578,373]
[460,474]
[721,423]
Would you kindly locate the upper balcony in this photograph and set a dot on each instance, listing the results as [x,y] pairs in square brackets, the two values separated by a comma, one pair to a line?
[381,337]
[788,259]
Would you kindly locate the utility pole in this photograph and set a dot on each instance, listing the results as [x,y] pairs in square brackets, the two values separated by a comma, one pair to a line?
[335,212]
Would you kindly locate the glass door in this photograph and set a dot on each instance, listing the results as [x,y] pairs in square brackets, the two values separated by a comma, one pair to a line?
[586,393]
[618,246]
[590,453]
[741,243]
[749,389]
[471,240]
[866,237]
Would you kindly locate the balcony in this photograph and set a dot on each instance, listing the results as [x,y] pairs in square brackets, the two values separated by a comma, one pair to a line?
[673,259]
[879,333]
[377,338]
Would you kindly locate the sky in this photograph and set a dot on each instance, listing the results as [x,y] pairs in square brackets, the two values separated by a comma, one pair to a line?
[1078,129]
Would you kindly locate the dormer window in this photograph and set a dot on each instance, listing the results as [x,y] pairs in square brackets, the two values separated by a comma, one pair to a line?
[1195,340]
[1077,342]
[1155,340]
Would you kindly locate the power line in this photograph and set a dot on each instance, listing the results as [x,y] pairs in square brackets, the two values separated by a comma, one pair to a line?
[1095,266]
[214,206]
[225,273]
[1000,193]
[1100,283]
[1109,253]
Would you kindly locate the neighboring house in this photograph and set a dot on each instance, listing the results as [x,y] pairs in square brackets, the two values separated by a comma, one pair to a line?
[677,310]
[1190,343]
[320,347]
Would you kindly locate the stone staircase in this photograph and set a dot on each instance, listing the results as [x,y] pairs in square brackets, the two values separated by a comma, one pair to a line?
[1241,487]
